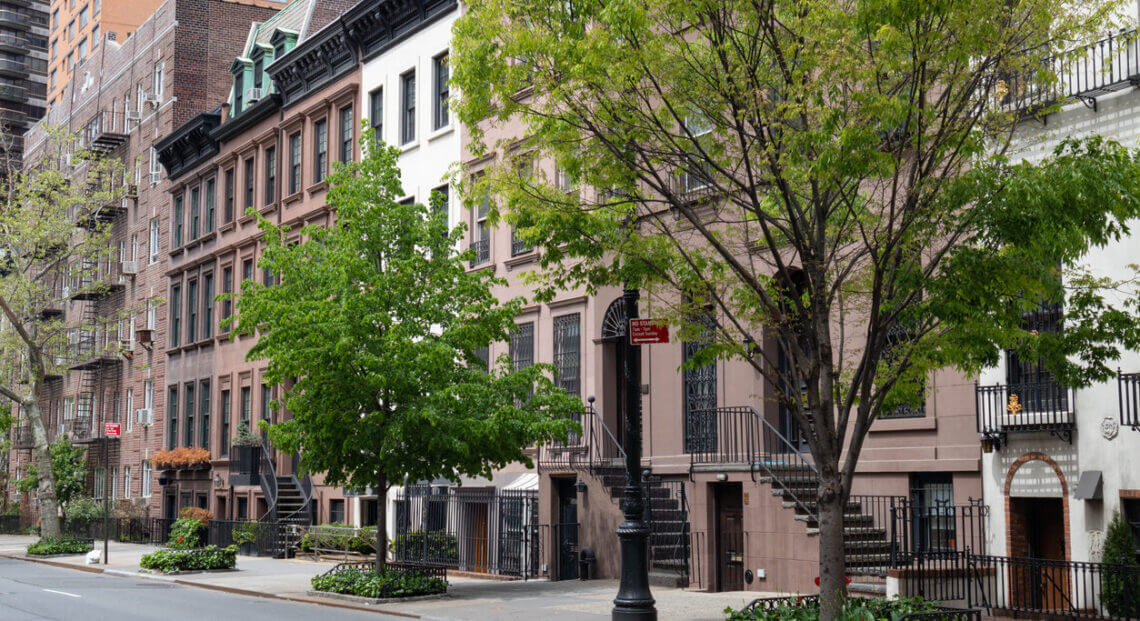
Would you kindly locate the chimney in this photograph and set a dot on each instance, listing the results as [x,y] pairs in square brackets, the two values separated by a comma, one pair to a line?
[225,111]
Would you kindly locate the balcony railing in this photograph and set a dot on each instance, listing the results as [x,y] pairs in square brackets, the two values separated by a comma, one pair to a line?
[1101,67]
[105,131]
[1026,407]
[1128,389]
[94,283]
[519,246]
[482,250]
[22,437]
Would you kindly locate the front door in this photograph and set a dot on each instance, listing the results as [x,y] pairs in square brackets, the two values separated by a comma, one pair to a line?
[566,530]
[1037,583]
[729,537]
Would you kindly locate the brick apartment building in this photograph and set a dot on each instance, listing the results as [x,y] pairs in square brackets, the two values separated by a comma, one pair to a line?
[23,73]
[123,98]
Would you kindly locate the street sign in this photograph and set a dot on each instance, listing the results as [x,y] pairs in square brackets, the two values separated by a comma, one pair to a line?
[112,430]
[648,332]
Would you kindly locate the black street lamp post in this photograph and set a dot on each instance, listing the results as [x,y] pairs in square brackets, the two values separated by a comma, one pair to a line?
[633,601]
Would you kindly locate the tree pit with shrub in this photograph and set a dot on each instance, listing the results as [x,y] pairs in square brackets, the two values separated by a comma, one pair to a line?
[199,559]
[59,545]
[378,585]
[853,609]
[441,547]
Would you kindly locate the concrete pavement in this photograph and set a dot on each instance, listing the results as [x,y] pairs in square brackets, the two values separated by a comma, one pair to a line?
[468,598]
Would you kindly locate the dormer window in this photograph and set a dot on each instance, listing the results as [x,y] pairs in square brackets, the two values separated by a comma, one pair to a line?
[238,92]
[258,66]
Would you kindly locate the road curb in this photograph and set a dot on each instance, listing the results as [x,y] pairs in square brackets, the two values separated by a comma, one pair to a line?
[121,573]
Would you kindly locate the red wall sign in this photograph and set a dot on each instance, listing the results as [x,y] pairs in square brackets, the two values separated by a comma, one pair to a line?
[648,332]
[112,430]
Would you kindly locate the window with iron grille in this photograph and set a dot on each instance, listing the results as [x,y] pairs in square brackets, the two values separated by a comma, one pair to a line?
[899,337]
[1034,385]
[321,150]
[568,353]
[481,242]
[699,385]
[441,73]
[522,345]
[408,107]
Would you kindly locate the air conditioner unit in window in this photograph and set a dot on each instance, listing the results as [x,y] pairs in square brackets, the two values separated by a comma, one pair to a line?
[130,268]
[252,94]
[144,416]
[155,177]
[153,100]
[145,335]
[133,115]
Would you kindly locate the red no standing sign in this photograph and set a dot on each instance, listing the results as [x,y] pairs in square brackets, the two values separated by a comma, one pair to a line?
[648,332]
[112,430]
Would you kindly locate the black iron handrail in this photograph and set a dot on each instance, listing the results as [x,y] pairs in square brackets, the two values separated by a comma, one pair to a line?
[591,449]
[1128,390]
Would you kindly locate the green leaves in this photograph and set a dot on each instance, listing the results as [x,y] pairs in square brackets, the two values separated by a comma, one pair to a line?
[374,325]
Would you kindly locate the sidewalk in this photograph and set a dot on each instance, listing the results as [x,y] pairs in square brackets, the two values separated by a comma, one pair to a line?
[468,598]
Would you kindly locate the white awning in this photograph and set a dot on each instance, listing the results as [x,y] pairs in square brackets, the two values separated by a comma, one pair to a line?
[526,481]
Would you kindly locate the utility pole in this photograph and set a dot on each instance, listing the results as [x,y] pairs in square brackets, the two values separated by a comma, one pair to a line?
[634,601]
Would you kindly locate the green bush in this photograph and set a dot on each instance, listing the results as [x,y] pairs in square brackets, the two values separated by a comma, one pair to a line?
[83,509]
[442,547]
[363,540]
[248,532]
[389,583]
[854,609]
[1120,590]
[185,534]
[210,557]
[61,545]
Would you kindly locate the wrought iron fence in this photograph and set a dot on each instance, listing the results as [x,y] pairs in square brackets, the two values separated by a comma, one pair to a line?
[1128,390]
[480,530]
[482,250]
[926,531]
[667,513]
[424,571]
[1067,589]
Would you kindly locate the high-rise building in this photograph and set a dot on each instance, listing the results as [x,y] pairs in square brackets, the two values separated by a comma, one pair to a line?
[23,73]
[79,26]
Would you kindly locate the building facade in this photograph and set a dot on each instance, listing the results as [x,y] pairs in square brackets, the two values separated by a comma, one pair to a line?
[121,100]
[23,74]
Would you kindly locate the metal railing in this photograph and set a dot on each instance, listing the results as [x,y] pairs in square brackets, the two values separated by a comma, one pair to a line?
[928,531]
[425,571]
[1128,390]
[267,473]
[741,435]
[592,449]
[1104,66]
[22,437]
[667,513]
[482,250]
[1038,406]
[1069,589]
[491,531]
[519,246]
[771,604]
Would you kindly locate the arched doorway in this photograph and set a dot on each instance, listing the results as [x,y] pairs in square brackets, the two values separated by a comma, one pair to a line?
[614,326]
[1037,527]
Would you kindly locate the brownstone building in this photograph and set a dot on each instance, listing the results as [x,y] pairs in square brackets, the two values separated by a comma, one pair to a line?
[121,100]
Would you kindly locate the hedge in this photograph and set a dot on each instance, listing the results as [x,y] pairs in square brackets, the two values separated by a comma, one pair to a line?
[62,545]
[210,557]
[389,583]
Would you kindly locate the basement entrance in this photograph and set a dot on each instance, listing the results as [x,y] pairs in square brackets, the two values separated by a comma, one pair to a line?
[729,537]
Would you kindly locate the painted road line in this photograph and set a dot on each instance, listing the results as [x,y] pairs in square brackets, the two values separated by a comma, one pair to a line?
[61,593]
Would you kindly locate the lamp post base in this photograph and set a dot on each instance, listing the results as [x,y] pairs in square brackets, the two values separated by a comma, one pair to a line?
[634,602]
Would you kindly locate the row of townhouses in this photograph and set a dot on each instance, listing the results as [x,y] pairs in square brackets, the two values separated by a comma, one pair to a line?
[223,108]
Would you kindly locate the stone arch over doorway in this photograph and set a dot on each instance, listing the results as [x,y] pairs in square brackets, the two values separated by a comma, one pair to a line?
[1013,522]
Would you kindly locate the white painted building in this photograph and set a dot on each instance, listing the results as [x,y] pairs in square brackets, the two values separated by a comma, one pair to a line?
[1058,467]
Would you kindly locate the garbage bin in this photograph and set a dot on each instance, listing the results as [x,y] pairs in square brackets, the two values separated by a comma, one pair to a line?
[586,559]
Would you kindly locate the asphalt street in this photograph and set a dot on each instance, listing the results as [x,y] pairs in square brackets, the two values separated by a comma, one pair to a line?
[35,591]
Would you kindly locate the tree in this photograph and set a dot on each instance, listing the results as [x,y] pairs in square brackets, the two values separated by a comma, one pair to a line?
[69,471]
[1121,585]
[377,325]
[55,246]
[826,176]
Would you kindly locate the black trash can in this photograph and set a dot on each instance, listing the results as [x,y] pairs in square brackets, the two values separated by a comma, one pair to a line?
[586,559]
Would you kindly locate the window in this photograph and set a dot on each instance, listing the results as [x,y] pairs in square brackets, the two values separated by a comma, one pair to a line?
[195,216]
[270,174]
[696,174]
[258,68]
[899,336]
[224,431]
[155,165]
[179,217]
[82,48]
[408,107]
[248,183]
[126,481]
[376,113]
[1035,386]
[522,345]
[151,315]
[100,483]
[246,405]
[127,111]
[211,202]
[95,37]
[295,163]
[130,408]
[228,201]
[481,243]
[239,86]
[148,395]
[146,474]
[154,234]
[442,209]
[84,17]
[114,482]
[192,314]
[207,306]
[567,353]
[158,79]
[346,134]
[188,435]
[320,150]
[227,287]
[175,315]
[204,414]
[172,419]
[932,499]
[267,277]
[440,71]
[71,30]
[336,510]
[247,270]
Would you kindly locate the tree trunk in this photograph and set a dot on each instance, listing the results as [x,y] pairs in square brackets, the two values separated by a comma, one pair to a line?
[41,452]
[832,557]
[381,522]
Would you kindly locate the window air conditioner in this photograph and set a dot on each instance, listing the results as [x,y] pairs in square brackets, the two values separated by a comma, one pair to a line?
[252,94]
[130,268]
[144,416]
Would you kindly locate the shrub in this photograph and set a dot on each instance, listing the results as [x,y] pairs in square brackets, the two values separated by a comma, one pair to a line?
[245,437]
[389,583]
[181,457]
[83,509]
[442,547]
[248,532]
[185,534]
[1120,591]
[210,557]
[194,513]
[854,609]
[361,540]
[61,545]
